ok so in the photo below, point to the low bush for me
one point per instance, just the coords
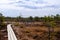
(3, 25)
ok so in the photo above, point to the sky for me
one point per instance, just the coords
(26, 8)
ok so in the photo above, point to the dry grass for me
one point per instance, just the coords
(34, 32)
(3, 33)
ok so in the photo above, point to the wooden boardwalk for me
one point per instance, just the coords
(11, 34)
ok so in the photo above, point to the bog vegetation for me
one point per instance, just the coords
(49, 22)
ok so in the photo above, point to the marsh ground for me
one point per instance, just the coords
(36, 32)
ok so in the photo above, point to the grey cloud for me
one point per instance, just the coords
(27, 0)
(36, 7)
(40, 2)
(30, 7)
(23, 4)
(20, 2)
(53, 6)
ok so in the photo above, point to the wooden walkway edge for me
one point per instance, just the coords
(11, 34)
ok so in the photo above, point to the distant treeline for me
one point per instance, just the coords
(31, 19)
(52, 20)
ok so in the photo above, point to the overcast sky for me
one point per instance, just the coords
(27, 8)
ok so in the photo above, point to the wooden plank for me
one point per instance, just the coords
(11, 34)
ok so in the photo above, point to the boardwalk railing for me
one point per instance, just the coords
(11, 34)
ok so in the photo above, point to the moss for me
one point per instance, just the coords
(3, 25)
